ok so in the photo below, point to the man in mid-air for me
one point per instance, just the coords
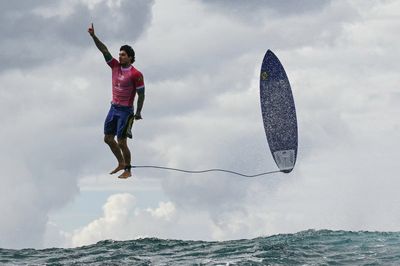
(126, 82)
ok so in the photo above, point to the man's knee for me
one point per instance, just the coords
(122, 143)
(108, 139)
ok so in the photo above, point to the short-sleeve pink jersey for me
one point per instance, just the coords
(125, 83)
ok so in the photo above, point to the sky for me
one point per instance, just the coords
(201, 61)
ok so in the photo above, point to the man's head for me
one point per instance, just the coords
(126, 55)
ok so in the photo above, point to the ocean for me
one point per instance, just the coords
(311, 247)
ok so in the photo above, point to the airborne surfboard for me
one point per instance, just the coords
(278, 112)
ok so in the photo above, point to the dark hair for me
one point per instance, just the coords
(129, 51)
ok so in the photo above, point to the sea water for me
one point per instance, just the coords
(311, 247)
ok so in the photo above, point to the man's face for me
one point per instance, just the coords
(124, 59)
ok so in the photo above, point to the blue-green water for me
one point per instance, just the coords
(310, 247)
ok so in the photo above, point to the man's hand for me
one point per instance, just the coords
(103, 49)
(138, 116)
(91, 30)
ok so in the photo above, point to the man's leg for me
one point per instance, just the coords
(109, 139)
(126, 153)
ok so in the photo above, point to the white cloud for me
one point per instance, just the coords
(342, 86)
(50, 111)
(122, 220)
(166, 211)
(201, 68)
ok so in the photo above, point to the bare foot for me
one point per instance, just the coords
(116, 170)
(125, 174)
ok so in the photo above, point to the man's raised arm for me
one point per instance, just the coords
(103, 49)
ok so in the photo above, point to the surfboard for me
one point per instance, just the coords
(278, 112)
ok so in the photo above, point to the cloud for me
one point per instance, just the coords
(201, 111)
(122, 220)
(341, 85)
(249, 10)
(49, 106)
(48, 31)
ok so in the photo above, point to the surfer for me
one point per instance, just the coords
(126, 82)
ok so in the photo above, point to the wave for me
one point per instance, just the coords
(311, 247)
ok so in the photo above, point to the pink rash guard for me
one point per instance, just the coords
(125, 83)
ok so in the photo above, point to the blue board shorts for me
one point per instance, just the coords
(119, 121)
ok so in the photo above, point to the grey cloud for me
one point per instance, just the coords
(49, 139)
(40, 39)
(55, 129)
(324, 101)
(221, 46)
(54, 134)
(254, 11)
